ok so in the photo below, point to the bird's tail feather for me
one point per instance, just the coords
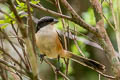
(86, 62)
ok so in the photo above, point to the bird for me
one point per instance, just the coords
(49, 44)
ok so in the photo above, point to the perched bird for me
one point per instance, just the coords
(47, 40)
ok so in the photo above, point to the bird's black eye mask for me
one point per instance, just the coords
(43, 22)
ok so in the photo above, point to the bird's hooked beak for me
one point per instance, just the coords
(55, 21)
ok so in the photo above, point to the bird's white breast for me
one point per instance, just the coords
(45, 39)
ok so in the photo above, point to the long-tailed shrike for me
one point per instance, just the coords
(47, 40)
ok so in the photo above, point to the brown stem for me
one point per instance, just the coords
(8, 65)
(54, 68)
(63, 24)
(28, 43)
(104, 40)
(76, 19)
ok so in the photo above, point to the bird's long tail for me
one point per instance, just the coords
(85, 62)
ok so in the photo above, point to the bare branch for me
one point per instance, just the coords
(77, 19)
(5, 35)
(8, 65)
(52, 66)
(6, 14)
(31, 28)
(65, 40)
(104, 40)
(29, 47)
(7, 54)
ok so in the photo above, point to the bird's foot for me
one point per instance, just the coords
(42, 57)
(58, 64)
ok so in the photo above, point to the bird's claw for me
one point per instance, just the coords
(41, 57)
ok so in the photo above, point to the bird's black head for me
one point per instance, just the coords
(45, 21)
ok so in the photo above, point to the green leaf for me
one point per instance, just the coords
(35, 2)
(4, 26)
(12, 15)
(2, 22)
(18, 2)
(21, 6)
(5, 21)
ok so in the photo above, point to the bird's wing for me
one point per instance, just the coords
(61, 38)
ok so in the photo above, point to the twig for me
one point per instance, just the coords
(105, 17)
(7, 54)
(113, 15)
(10, 70)
(87, 41)
(29, 47)
(8, 65)
(82, 34)
(65, 41)
(49, 11)
(99, 77)
(56, 77)
(77, 21)
(116, 20)
(21, 42)
(109, 23)
(3, 73)
(77, 44)
(19, 21)
(52, 66)
(6, 14)
(13, 45)
(31, 29)
(104, 40)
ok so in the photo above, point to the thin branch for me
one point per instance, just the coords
(82, 34)
(78, 20)
(19, 21)
(65, 41)
(99, 77)
(109, 23)
(116, 20)
(77, 44)
(113, 15)
(104, 40)
(87, 41)
(56, 77)
(7, 54)
(49, 11)
(29, 47)
(6, 14)
(105, 17)
(13, 46)
(13, 73)
(31, 30)
(75, 41)
(52, 66)
(3, 73)
(14, 68)
(21, 42)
